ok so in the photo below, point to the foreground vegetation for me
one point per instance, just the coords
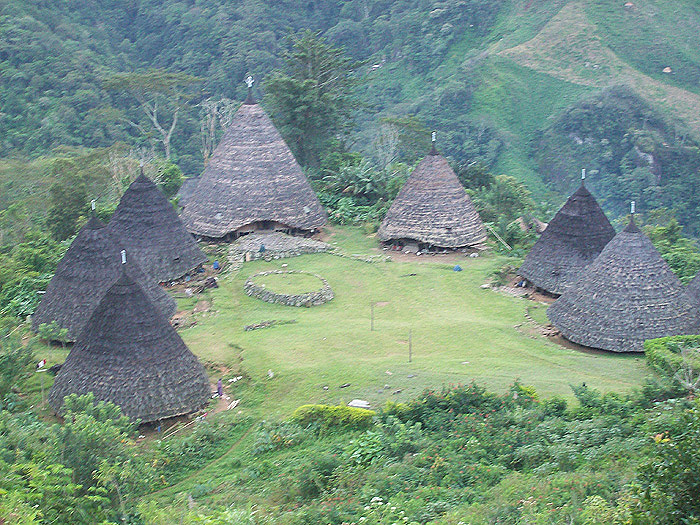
(584, 438)
(459, 454)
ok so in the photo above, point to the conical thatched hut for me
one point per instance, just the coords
(572, 240)
(130, 355)
(89, 267)
(433, 209)
(252, 182)
(153, 234)
(627, 295)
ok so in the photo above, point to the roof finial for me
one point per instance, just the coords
(249, 81)
(583, 174)
(632, 207)
(92, 206)
(123, 256)
(433, 136)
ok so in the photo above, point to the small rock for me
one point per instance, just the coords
(484, 286)
(325, 387)
(410, 376)
(396, 391)
(359, 403)
(386, 387)
(344, 385)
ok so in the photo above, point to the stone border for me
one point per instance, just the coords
(306, 300)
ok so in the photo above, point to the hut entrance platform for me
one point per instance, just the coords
(273, 245)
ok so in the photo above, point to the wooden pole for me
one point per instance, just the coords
(410, 345)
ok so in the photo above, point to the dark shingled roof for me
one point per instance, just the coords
(694, 289)
(251, 177)
(572, 240)
(186, 190)
(627, 295)
(130, 355)
(433, 207)
(89, 267)
(153, 234)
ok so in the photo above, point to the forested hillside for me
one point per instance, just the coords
(535, 90)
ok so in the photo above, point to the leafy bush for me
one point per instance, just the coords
(663, 354)
(14, 360)
(333, 416)
(669, 484)
(274, 436)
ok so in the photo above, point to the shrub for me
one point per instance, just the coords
(274, 436)
(333, 416)
(663, 355)
(554, 407)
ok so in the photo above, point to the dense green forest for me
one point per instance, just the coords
(507, 83)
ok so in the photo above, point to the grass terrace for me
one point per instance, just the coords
(456, 332)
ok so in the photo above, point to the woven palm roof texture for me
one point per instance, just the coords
(153, 234)
(86, 271)
(432, 207)
(129, 355)
(252, 176)
(694, 289)
(572, 240)
(627, 295)
(186, 190)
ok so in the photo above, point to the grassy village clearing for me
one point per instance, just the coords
(457, 332)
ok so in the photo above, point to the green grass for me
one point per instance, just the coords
(652, 35)
(458, 333)
(289, 283)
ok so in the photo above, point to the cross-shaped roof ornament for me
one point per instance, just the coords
(249, 81)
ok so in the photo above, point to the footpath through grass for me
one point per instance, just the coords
(458, 333)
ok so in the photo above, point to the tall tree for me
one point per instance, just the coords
(69, 199)
(160, 94)
(313, 97)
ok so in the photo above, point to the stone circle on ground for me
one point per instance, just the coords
(276, 246)
(307, 299)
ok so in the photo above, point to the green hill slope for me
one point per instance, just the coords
(492, 76)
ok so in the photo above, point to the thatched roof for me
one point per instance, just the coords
(153, 234)
(627, 295)
(130, 355)
(251, 177)
(186, 190)
(572, 240)
(433, 208)
(694, 289)
(87, 270)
